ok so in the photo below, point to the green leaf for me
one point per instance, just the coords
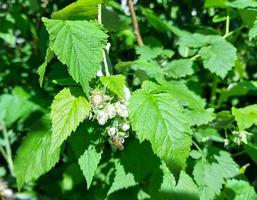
(184, 96)
(242, 190)
(241, 4)
(160, 119)
(186, 188)
(253, 31)
(215, 3)
(210, 174)
(245, 117)
(208, 178)
(115, 83)
(122, 180)
(42, 68)
(219, 57)
(68, 109)
(147, 53)
(79, 10)
(88, 163)
(206, 134)
(251, 150)
(14, 107)
(34, 157)
(79, 45)
(179, 68)
(200, 116)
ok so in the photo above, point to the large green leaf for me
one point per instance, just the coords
(219, 57)
(115, 83)
(160, 119)
(34, 157)
(79, 45)
(245, 117)
(89, 161)
(69, 108)
(79, 10)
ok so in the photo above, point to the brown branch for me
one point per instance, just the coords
(135, 23)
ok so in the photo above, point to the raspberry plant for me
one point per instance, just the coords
(149, 100)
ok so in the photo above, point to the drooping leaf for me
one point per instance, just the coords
(122, 180)
(42, 68)
(34, 157)
(159, 119)
(68, 110)
(115, 83)
(79, 10)
(79, 45)
(219, 57)
(245, 117)
(89, 161)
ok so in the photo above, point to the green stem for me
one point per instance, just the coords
(198, 148)
(213, 91)
(8, 149)
(227, 23)
(106, 67)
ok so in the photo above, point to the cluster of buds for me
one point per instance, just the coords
(240, 137)
(5, 192)
(104, 110)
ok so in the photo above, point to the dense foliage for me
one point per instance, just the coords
(99, 103)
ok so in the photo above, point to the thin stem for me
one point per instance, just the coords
(239, 153)
(8, 150)
(198, 148)
(106, 67)
(227, 23)
(135, 23)
(195, 57)
(213, 91)
(3, 153)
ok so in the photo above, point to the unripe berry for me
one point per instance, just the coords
(125, 126)
(102, 117)
(122, 110)
(112, 131)
(97, 99)
(111, 111)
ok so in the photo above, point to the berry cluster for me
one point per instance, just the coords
(104, 110)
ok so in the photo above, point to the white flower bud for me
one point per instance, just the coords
(111, 111)
(102, 117)
(122, 110)
(7, 193)
(125, 127)
(97, 99)
(112, 131)
(226, 142)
